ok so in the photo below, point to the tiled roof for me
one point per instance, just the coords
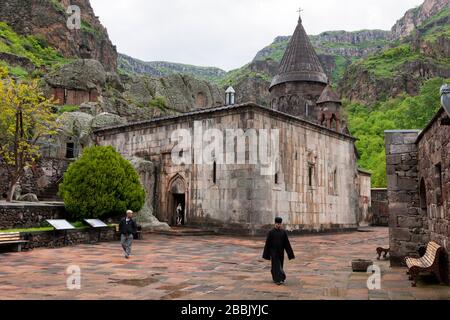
(328, 95)
(217, 110)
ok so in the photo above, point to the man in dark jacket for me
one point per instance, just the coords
(127, 228)
(277, 242)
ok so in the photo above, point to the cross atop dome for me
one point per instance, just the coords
(300, 61)
(300, 10)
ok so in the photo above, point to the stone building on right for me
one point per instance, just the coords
(418, 169)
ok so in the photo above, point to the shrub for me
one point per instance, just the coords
(101, 184)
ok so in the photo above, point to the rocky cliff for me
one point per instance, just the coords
(417, 16)
(145, 97)
(47, 19)
(85, 84)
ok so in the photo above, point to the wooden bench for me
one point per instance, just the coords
(12, 240)
(429, 262)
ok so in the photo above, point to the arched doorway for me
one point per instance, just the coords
(177, 197)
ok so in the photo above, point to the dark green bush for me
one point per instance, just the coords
(101, 184)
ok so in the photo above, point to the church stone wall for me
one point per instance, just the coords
(241, 199)
(434, 172)
(365, 198)
(406, 223)
(418, 168)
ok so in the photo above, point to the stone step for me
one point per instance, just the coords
(184, 232)
(49, 197)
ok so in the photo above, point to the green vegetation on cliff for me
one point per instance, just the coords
(436, 26)
(404, 112)
(235, 76)
(32, 48)
(387, 62)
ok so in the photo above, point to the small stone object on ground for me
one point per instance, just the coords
(361, 265)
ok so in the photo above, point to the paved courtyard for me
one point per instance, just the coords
(209, 267)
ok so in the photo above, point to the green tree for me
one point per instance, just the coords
(368, 123)
(25, 117)
(101, 184)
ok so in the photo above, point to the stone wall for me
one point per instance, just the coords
(434, 181)
(406, 223)
(380, 208)
(240, 197)
(27, 215)
(51, 239)
(365, 202)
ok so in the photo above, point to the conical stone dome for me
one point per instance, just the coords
(300, 61)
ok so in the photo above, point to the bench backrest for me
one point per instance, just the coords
(13, 236)
(432, 253)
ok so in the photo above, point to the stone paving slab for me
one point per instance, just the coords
(210, 268)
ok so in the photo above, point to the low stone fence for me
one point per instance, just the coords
(24, 215)
(380, 208)
(53, 239)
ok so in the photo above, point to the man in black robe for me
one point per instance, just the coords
(277, 242)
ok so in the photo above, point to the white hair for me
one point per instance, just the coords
(129, 211)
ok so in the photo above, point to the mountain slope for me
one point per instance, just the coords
(161, 68)
(398, 88)
(424, 54)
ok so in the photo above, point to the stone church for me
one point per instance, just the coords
(316, 182)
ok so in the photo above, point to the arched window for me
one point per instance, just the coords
(438, 184)
(310, 176)
(214, 172)
(335, 181)
(333, 124)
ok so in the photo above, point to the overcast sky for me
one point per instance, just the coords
(228, 33)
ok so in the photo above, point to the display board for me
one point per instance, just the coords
(95, 223)
(61, 224)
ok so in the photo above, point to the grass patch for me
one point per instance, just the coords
(68, 108)
(79, 225)
(15, 71)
